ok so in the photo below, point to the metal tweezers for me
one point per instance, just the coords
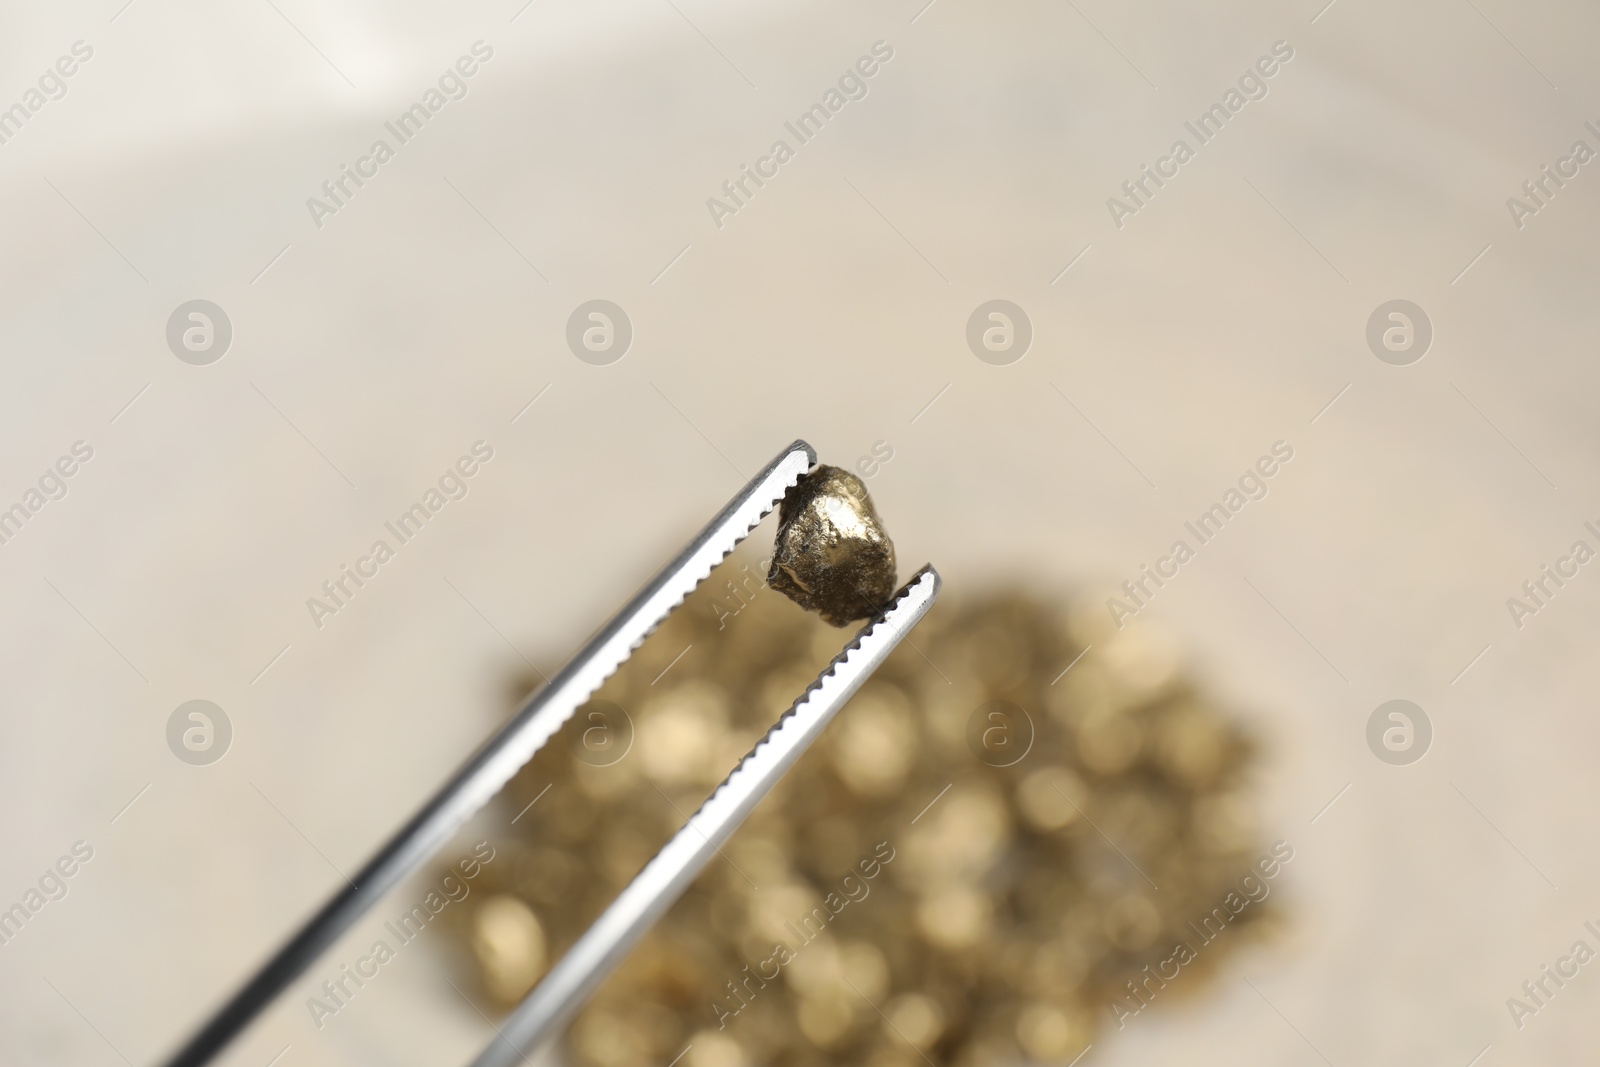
(565, 988)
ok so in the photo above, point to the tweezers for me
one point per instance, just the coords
(568, 984)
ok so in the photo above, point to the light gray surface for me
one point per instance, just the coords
(1221, 318)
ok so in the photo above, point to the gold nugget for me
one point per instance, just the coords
(833, 556)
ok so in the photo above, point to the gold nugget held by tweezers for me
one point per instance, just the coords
(832, 556)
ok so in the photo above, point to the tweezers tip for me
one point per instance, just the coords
(927, 572)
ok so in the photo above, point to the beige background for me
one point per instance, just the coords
(1225, 316)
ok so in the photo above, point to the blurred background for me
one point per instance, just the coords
(223, 378)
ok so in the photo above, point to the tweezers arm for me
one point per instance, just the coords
(488, 770)
(578, 973)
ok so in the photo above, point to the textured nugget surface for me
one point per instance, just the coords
(832, 555)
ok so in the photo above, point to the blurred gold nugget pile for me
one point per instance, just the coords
(904, 896)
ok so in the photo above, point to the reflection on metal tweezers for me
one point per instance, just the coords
(488, 770)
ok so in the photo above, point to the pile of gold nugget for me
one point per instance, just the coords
(987, 859)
